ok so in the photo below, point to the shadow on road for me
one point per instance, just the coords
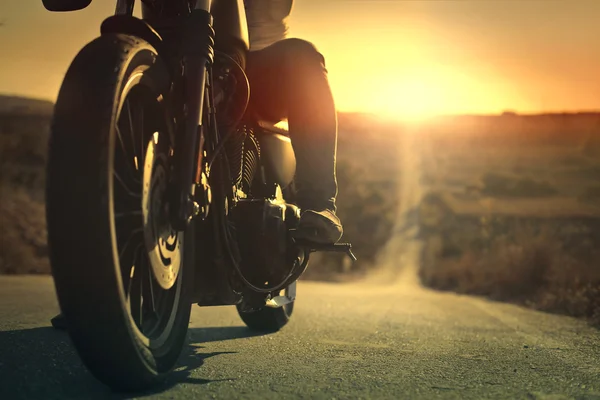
(40, 363)
(217, 334)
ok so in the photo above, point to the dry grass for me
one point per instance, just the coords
(529, 268)
(23, 248)
(23, 141)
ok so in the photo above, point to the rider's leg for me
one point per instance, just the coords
(289, 79)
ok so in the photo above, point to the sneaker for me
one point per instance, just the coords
(322, 227)
(59, 322)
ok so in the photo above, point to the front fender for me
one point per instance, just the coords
(133, 26)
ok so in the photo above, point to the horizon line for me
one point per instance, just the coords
(507, 112)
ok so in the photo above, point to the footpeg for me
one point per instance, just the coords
(333, 247)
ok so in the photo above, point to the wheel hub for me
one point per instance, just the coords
(164, 244)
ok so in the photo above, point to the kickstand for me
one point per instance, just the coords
(333, 247)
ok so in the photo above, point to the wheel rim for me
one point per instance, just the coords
(149, 253)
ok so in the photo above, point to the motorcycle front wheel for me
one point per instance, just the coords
(122, 273)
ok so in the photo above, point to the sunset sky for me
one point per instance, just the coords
(390, 57)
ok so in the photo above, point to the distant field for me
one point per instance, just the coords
(512, 210)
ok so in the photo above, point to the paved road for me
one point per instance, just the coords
(345, 341)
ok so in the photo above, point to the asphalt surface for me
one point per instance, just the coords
(366, 340)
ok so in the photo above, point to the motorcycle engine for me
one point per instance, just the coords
(259, 225)
(243, 155)
(262, 231)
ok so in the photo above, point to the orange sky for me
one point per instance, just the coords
(393, 57)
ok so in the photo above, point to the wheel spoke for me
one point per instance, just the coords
(150, 288)
(130, 242)
(121, 142)
(129, 249)
(129, 214)
(148, 312)
(132, 131)
(131, 162)
(128, 217)
(135, 290)
(131, 192)
(139, 124)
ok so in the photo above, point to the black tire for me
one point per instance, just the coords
(85, 232)
(268, 319)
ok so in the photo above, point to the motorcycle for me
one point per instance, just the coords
(165, 190)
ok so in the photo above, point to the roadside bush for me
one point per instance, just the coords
(502, 185)
(529, 266)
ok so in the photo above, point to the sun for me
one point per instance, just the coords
(413, 93)
(402, 95)
(411, 99)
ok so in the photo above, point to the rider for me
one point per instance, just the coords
(288, 79)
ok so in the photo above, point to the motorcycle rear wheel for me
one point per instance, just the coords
(269, 319)
(122, 274)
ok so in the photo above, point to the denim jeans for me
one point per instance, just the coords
(289, 80)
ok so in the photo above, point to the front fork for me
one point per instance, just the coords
(197, 47)
(198, 55)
